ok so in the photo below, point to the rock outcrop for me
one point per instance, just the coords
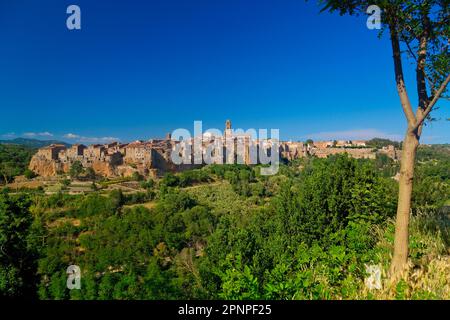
(44, 167)
(154, 157)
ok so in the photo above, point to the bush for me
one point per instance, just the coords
(29, 174)
(98, 205)
(149, 184)
(14, 160)
(305, 233)
(76, 169)
(137, 177)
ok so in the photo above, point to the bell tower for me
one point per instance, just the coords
(228, 144)
(227, 129)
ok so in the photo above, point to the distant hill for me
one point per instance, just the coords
(33, 143)
(380, 143)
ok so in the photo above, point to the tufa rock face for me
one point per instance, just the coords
(44, 167)
(104, 169)
(153, 157)
(110, 160)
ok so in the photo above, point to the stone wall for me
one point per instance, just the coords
(153, 157)
(358, 153)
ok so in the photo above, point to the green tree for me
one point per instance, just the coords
(137, 177)
(422, 28)
(8, 171)
(29, 174)
(379, 143)
(76, 169)
(18, 243)
(149, 184)
(14, 160)
(65, 182)
(90, 174)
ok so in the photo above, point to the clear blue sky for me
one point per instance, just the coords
(139, 69)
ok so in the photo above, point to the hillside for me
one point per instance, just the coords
(227, 232)
(33, 143)
(14, 160)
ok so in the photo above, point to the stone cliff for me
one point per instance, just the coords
(153, 157)
(44, 167)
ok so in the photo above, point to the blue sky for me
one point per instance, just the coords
(139, 69)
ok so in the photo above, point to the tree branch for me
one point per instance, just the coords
(411, 52)
(399, 78)
(420, 72)
(413, 55)
(432, 103)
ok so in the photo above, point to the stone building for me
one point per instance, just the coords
(51, 152)
(154, 157)
(359, 153)
(77, 150)
(322, 144)
(359, 143)
(293, 150)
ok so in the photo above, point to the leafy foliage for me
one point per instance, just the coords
(19, 242)
(379, 143)
(305, 233)
(14, 160)
(76, 169)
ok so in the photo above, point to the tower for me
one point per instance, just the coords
(227, 130)
(228, 144)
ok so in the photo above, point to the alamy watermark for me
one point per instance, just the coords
(234, 146)
(73, 21)
(373, 281)
(74, 277)
(374, 20)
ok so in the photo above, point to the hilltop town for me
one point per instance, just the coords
(153, 157)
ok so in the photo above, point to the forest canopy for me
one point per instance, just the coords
(226, 232)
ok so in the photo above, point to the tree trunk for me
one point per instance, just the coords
(400, 257)
(5, 177)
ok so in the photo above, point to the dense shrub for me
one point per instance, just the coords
(228, 232)
(19, 243)
(14, 160)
